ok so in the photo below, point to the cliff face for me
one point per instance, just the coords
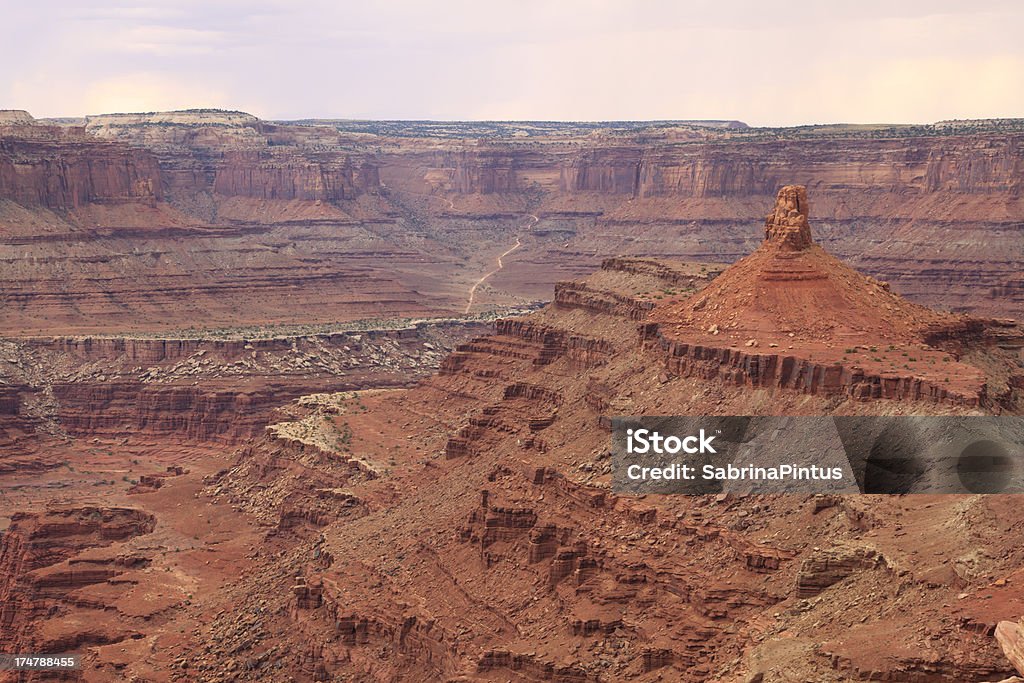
(254, 159)
(262, 175)
(38, 572)
(985, 165)
(192, 390)
(122, 218)
(68, 169)
(920, 166)
(74, 173)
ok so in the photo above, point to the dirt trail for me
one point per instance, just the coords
(472, 290)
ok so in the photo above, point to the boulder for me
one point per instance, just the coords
(1010, 636)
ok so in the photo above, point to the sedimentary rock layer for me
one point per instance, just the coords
(159, 220)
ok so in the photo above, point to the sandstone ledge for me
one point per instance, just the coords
(772, 370)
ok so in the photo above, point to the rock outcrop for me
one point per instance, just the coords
(1010, 635)
(74, 171)
(856, 337)
(15, 117)
(825, 568)
(787, 224)
(38, 569)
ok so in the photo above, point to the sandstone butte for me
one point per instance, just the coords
(853, 333)
(166, 520)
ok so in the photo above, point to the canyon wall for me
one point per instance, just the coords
(987, 164)
(66, 170)
(937, 215)
(193, 390)
(265, 175)
(149, 221)
(72, 171)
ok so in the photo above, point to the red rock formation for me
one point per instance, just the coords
(373, 556)
(732, 366)
(1011, 638)
(787, 224)
(542, 543)
(519, 561)
(529, 666)
(790, 292)
(264, 175)
(577, 295)
(225, 183)
(186, 412)
(35, 571)
(71, 172)
(826, 568)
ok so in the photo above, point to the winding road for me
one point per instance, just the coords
(472, 290)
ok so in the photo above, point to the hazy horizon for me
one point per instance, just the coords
(874, 62)
(300, 119)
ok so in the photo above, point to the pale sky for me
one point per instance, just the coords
(766, 63)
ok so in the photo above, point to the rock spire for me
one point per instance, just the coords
(787, 223)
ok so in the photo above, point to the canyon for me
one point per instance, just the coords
(331, 400)
(142, 222)
(490, 546)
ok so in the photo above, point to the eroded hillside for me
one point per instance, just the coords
(465, 528)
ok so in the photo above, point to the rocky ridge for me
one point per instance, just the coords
(493, 546)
